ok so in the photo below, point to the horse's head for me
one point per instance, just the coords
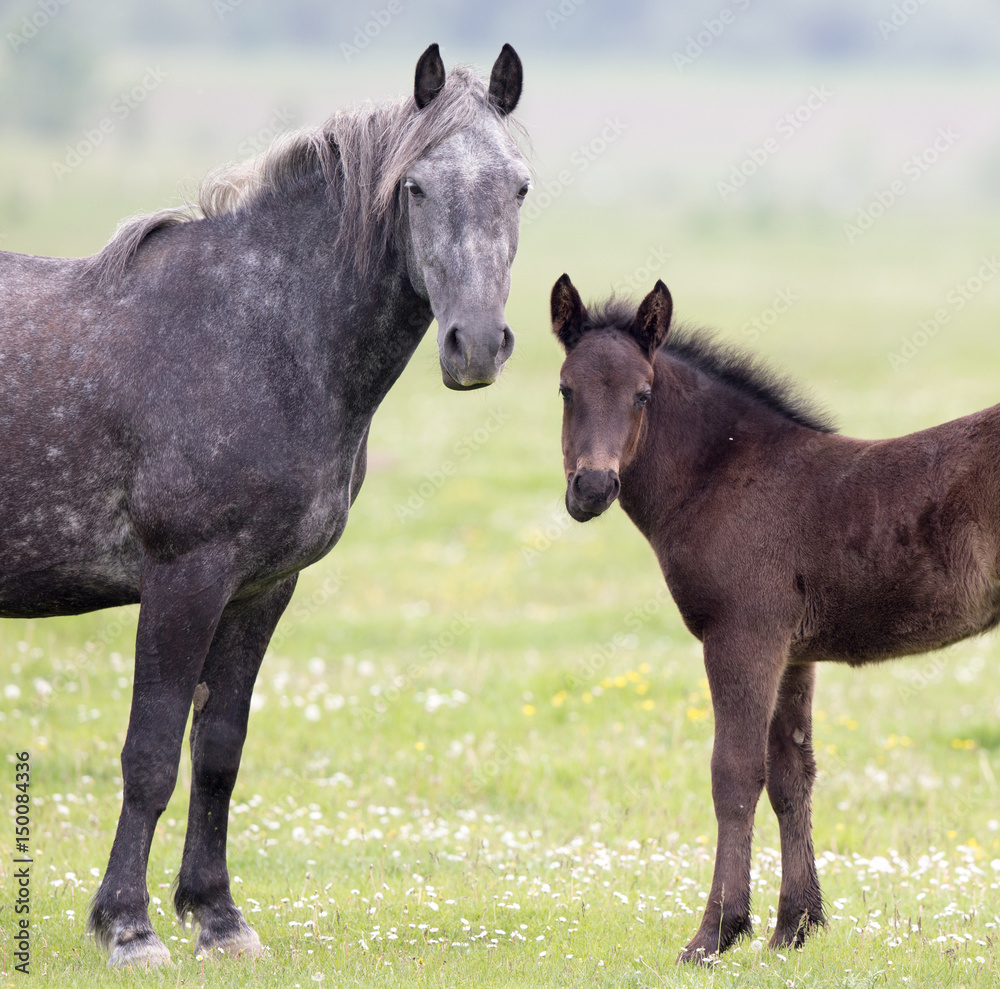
(606, 383)
(460, 203)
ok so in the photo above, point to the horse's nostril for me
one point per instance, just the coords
(616, 486)
(453, 342)
(506, 345)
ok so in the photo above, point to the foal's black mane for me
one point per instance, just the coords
(700, 349)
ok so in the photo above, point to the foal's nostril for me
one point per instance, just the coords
(616, 486)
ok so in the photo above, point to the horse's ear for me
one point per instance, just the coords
(429, 79)
(652, 321)
(567, 313)
(505, 80)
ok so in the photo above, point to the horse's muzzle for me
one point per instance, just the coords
(474, 360)
(590, 493)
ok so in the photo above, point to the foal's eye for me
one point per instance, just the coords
(641, 399)
(414, 190)
(567, 393)
(522, 192)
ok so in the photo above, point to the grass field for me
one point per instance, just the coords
(480, 742)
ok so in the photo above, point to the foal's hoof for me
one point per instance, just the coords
(693, 955)
(244, 943)
(138, 948)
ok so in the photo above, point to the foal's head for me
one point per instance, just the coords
(606, 383)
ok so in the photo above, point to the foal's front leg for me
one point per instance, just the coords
(218, 729)
(791, 770)
(743, 673)
(181, 604)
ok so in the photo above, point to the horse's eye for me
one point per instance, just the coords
(523, 191)
(641, 399)
(414, 189)
(567, 393)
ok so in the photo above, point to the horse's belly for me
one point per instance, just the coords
(66, 556)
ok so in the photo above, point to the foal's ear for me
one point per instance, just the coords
(652, 321)
(567, 313)
(429, 79)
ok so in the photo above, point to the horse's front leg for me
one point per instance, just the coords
(744, 671)
(218, 729)
(791, 770)
(181, 604)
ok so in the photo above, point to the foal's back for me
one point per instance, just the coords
(899, 540)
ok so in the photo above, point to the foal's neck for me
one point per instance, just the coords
(697, 429)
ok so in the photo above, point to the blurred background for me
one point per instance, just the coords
(657, 130)
(820, 181)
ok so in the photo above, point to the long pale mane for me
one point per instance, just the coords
(361, 153)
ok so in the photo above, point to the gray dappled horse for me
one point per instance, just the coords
(183, 422)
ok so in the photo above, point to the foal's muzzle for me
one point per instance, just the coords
(590, 493)
(474, 359)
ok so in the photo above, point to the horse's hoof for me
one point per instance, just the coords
(138, 949)
(243, 944)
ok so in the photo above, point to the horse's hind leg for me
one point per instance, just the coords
(222, 708)
(177, 618)
(791, 770)
(743, 673)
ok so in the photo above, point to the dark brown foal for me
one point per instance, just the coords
(782, 543)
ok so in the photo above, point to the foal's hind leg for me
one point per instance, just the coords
(743, 672)
(791, 770)
(222, 708)
(177, 618)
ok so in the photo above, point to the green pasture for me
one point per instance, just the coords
(480, 745)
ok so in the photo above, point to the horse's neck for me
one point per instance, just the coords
(687, 442)
(361, 331)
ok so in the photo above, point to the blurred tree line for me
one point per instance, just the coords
(52, 50)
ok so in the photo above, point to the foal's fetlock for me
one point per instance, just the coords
(706, 946)
(793, 931)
